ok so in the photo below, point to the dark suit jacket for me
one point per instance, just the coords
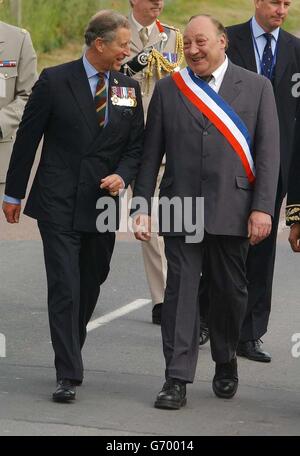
(200, 161)
(241, 52)
(76, 154)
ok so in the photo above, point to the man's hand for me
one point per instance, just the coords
(294, 237)
(259, 227)
(11, 212)
(142, 227)
(113, 184)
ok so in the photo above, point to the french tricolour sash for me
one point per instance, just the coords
(221, 115)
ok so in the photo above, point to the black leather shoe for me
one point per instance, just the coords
(156, 314)
(204, 333)
(65, 391)
(252, 350)
(225, 381)
(172, 396)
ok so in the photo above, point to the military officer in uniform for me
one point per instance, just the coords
(156, 51)
(18, 74)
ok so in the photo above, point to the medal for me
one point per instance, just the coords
(123, 96)
(8, 63)
(163, 36)
(170, 56)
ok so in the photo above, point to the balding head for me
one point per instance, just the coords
(205, 43)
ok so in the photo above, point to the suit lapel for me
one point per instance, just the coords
(193, 110)
(230, 87)
(113, 81)
(245, 48)
(81, 90)
(283, 56)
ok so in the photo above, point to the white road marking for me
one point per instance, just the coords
(137, 304)
(2, 346)
(134, 305)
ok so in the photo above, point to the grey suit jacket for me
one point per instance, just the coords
(200, 161)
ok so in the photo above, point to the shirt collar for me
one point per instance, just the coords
(218, 74)
(259, 31)
(91, 70)
(140, 26)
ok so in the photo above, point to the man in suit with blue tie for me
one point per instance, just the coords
(91, 117)
(260, 45)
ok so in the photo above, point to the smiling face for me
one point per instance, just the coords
(112, 53)
(271, 14)
(204, 46)
(147, 11)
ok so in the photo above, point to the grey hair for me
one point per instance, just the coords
(105, 24)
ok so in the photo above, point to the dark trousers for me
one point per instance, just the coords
(260, 272)
(76, 265)
(226, 256)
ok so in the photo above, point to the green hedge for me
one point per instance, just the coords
(52, 23)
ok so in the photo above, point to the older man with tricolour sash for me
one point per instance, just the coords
(218, 125)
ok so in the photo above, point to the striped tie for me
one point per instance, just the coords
(101, 99)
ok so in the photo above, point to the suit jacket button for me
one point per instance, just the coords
(205, 133)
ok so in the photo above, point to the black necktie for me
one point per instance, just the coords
(267, 57)
(207, 79)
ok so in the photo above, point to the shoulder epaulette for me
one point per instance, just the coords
(171, 27)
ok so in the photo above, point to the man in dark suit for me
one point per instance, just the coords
(252, 44)
(91, 117)
(203, 127)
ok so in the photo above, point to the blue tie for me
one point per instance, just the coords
(267, 57)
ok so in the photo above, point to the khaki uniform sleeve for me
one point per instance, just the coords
(11, 113)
